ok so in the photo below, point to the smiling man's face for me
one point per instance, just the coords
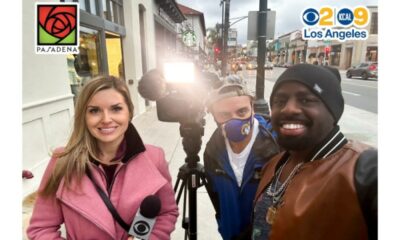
(299, 117)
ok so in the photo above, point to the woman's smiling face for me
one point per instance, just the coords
(107, 117)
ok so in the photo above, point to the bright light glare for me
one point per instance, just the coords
(179, 72)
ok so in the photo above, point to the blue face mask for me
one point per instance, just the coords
(236, 130)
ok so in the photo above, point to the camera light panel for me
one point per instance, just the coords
(179, 72)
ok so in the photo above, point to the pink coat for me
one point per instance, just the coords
(86, 216)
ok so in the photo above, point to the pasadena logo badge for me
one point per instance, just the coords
(57, 28)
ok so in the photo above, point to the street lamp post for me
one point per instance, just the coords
(222, 4)
(260, 104)
(225, 39)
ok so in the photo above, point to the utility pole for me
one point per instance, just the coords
(222, 4)
(225, 39)
(260, 104)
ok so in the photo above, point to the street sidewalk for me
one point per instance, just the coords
(166, 135)
(355, 124)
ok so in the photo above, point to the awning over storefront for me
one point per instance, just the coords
(167, 25)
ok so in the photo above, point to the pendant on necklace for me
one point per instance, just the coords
(271, 215)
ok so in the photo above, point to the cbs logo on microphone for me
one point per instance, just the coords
(141, 228)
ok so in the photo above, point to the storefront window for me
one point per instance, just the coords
(372, 54)
(106, 11)
(335, 54)
(94, 7)
(114, 55)
(113, 11)
(82, 5)
(374, 23)
(85, 65)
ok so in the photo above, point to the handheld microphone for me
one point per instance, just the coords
(145, 218)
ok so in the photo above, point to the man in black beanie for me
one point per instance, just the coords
(323, 186)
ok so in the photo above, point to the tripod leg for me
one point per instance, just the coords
(211, 194)
(189, 186)
(192, 185)
(185, 220)
(181, 183)
(178, 180)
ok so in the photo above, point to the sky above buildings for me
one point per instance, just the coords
(287, 12)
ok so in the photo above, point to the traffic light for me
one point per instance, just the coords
(217, 50)
(327, 50)
(217, 53)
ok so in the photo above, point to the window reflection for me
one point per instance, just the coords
(85, 65)
(93, 7)
(82, 5)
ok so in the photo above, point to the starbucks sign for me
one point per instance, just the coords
(189, 38)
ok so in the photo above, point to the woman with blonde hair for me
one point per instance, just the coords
(104, 155)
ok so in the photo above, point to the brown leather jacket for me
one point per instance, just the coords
(321, 202)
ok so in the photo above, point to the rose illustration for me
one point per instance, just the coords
(57, 20)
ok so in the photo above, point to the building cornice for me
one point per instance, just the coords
(172, 9)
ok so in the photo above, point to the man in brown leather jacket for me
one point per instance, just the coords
(323, 186)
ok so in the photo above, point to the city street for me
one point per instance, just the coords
(359, 93)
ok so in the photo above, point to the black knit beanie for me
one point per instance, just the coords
(323, 81)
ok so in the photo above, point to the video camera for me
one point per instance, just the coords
(179, 89)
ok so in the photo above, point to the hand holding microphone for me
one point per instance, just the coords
(145, 218)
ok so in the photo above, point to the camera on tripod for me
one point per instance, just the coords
(180, 91)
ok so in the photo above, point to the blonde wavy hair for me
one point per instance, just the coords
(73, 161)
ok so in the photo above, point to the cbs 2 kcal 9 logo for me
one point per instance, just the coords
(336, 17)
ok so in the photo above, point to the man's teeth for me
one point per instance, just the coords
(292, 126)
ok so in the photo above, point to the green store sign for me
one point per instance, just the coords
(189, 38)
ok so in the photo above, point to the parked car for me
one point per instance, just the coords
(364, 70)
(235, 66)
(251, 65)
(268, 65)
